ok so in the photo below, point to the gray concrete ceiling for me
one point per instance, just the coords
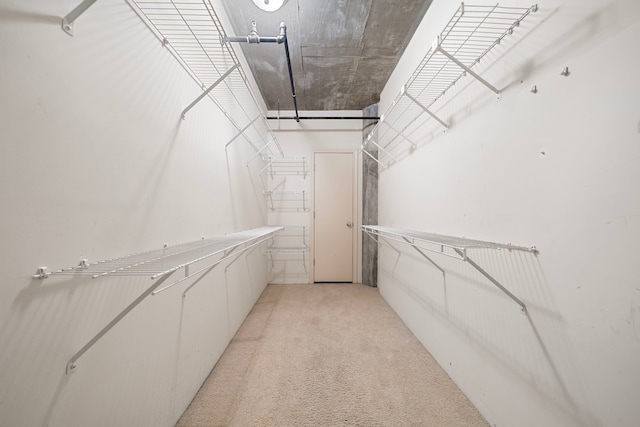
(342, 51)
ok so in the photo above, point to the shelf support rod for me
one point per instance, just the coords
(424, 255)
(370, 155)
(381, 237)
(269, 163)
(492, 280)
(368, 233)
(400, 134)
(71, 365)
(231, 254)
(206, 92)
(259, 151)
(67, 21)
(241, 131)
(426, 110)
(465, 68)
(369, 140)
(188, 275)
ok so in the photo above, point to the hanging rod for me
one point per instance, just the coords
(439, 243)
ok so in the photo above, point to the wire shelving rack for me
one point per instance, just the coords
(160, 265)
(454, 247)
(468, 37)
(193, 33)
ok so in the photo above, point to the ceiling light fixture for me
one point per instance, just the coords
(269, 5)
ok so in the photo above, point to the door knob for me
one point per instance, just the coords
(349, 224)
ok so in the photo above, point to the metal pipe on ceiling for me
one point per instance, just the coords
(298, 118)
(293, 88)
(254, 38)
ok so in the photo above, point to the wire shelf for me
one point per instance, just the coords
(286, 166)
(287, 200)
(292, 240)
(160, 262)
(438, 242)
(455, 247)
(288, 253)
(468, 37)
(160, 265)
(192, 32)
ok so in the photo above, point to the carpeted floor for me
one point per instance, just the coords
(327, 355)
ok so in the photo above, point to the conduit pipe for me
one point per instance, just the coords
(323, 118)
(254, 38)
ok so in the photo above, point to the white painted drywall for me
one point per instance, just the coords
(560, 170)
(302, 140)
(95, 163)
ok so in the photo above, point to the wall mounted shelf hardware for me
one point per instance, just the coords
(192, 32)
(283, 254)
(213, 86)
(291, 241)
(470, 34)
(69, 19)
(286, 166)
(287, 200)
(455, 247)
(160, 265)
(289, 249)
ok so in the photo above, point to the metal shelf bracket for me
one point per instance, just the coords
(41, 273)
(437, 47)
(159, 265)
(206, 92)
(69, 19)
(494, 281)
(72, 365)
(240, 132)
(424, 255)
(458, 245)
(426, 110)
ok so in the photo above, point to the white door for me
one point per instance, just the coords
(334, 232)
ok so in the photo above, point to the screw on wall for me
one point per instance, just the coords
(534, 90)
(565, 72)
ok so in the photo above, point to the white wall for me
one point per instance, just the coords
(96, 163)
(302, 140)
(559, 170)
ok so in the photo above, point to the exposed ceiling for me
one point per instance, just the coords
(342, 51)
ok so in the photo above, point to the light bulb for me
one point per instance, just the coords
(269, 5)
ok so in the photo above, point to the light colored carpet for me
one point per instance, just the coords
(327, 354)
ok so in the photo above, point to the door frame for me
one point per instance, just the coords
(354, 212)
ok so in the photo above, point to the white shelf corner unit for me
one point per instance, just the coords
(194, 258)
(455, 247)
(468, 37)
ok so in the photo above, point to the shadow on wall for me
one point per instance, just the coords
(532, 345)
(46, 317)
(29, 17)
(468, 96)
(160, 343)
